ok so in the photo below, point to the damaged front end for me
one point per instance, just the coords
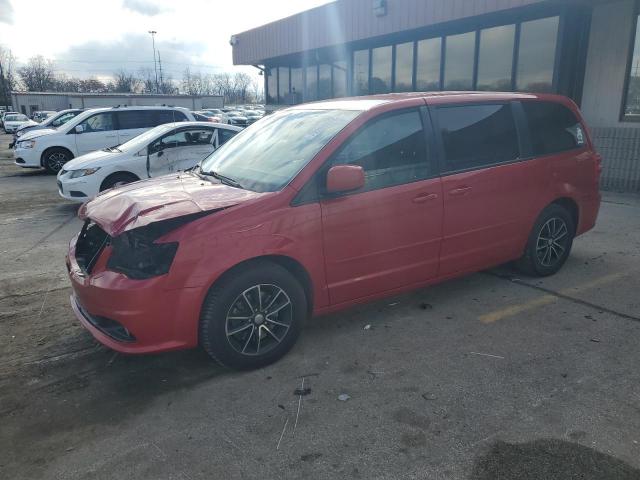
(136, 253)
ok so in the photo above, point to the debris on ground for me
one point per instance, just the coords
(367, 326)
(487, 355)
(595, 340)
(343, 397)
(426, 306)
(429, 396)
(302, 391)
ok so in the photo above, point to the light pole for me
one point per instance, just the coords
(153, 42)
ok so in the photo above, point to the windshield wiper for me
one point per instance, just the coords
(224, 179)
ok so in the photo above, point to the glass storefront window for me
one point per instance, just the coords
(272, 86)
(361, 72)
(632, 98)
(324, 82)
(458, 65)
(311, 92)
(428, 65)
(339, 79)
(537, 54)
(404, 67)
(381, 69)
(495, 58)
(297, 85)
(283, 85)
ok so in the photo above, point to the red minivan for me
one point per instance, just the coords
(325, 205)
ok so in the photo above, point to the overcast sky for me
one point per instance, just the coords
(98, 37)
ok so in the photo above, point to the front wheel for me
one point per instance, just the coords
(55, 158)
(549, 243)
(253, 316)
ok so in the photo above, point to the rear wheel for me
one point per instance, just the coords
(117, 179)
(253, 317)
(55, 158)
(549, 243)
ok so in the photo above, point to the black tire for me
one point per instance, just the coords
(54, 159)
(549, 243)
(223, 312)
(117, 179)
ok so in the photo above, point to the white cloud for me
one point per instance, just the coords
(6, 12)
(99, 37)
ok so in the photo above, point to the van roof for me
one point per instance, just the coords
(369, 102)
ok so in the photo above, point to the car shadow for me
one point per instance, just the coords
(549, 459)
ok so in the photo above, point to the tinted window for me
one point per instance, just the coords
(458, 65)
(272, 86)
(477, 135)
(225, 135)
(61, 120)
(361, 72)
(496, 58)
(632, 97)
(136, 119)
(428, 64)
(324, 83)
(101, 122)
(553, 127)
(283, 84)
(340, 79)
(297, 86)
(404, 67)
(160, 117)
(537, 55)
(391, 150)
(381, 70)
(312, 83)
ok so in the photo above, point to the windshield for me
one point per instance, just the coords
(142, 140)
(16, 118)
(266, 156)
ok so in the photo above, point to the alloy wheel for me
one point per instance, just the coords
(552, 242)
(259, 319)
(56, 160)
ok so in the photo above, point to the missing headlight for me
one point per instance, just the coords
(136, 254)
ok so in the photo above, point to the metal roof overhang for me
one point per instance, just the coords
(347, 21)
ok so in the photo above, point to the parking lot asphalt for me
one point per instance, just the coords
(492, 376)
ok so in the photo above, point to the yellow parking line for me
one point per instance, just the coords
(547, 299)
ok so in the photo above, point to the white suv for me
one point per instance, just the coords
(91, 130)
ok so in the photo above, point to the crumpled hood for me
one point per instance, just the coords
(98, 158)
(38, 133)
(161, 198)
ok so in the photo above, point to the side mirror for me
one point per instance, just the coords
(79, 129)
(345, 178)
(160, 153)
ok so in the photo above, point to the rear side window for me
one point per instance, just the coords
(553, 127)
(168, 116)
(392, 150)
(476, 136)
(224, 135)
(135, 119)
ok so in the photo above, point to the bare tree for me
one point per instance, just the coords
(124, 82)
(148, 80)
(241, 84)
(38, 75)
(8, 78)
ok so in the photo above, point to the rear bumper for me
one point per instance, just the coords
(589, 210)
(147, 317)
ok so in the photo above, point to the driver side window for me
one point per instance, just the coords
(391, 150)
(182, 138)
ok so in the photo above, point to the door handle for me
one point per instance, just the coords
(110, 136)
(425, 197)
(460, 191)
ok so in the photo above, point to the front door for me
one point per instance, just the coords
(164, 154)
(386, 235)
(98, 132)
(488, 191)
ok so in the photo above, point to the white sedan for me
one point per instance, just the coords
(14, 121)
(164, 149)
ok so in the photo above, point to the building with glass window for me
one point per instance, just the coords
(585, 49)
